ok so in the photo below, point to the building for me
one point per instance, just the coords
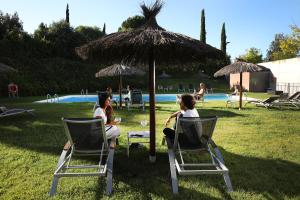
(287, 73)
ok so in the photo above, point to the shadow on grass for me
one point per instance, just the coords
(272, 178)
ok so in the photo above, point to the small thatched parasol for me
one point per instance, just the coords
(6, 68)
(240, 66)
(119, 70)
(148, 44)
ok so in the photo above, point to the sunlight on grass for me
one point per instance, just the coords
(260, 147)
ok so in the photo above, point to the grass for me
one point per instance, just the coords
(260, 147)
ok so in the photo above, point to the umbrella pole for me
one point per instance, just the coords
(152, 156)
(241, 90)
(120, 91)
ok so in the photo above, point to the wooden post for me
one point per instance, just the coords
(241, 90)
(120, 90)
(152, 156)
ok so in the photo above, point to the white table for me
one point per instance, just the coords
(143, 135)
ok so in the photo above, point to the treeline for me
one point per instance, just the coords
(47, 63)
(46, 60)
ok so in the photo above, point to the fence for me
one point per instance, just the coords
(289, 88)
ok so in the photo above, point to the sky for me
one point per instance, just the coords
(249, 23)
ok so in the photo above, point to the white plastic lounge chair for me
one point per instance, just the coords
(274, 102)
(194, 135)
(135, 100)
(86, 137)
(233, 100)
(4, 112)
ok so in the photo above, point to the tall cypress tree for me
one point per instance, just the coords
(203, 32)
(104, 29)
(223, 39)
(67, 14)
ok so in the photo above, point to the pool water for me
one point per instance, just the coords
(158, 98)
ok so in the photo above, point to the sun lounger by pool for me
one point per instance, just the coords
(5, 112)
(194, 135)
(275, 102)
(86, 137)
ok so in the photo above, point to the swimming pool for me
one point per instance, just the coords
(158, 98)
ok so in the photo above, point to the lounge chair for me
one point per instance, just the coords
(191, 88)
(234, 99)
(275, 102)
(135, 100)
(86, 137)
(165, 88)
(267, 103)
(5, 112)
(181, 88)
(194, 135)
(209, 89)
(160, 87)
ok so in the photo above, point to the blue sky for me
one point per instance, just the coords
(249, 23)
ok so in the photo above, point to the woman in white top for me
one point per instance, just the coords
(102, 112)
(187, 109)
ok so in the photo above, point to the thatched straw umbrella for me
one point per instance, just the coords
(119, 70)
(6, 68)
(240, 66)
(148, 44)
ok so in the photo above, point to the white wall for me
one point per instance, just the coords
(286, 71)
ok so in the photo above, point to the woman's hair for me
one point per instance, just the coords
(102, 98)
(188, 100)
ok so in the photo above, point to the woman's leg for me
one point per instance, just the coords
(112, 131)
(170, 133)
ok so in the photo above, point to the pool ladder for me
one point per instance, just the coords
(55, 98)
(84, 93)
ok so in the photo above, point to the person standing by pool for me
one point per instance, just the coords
(104, 111)
(187, 109)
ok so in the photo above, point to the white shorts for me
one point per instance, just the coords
(112, 131)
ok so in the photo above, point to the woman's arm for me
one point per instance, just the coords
(171, 116)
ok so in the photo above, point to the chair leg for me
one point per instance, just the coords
(219, 155)
(227, 182)
(110, 161)
(54, 186)
(173, 171)
(55, 179)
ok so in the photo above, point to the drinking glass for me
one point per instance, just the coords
(144, 123)
(118, 119)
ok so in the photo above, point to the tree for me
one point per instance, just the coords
(41, 33)
(67, 14)
(290, 46)
(63, 38)
(223, 39)
(284, 47)
(274, 48)
(89, 33)
(10, 26)
(252, 55)
(104, 29)
(203, 32)
(132, 23)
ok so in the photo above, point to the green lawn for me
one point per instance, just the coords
(260, 147)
